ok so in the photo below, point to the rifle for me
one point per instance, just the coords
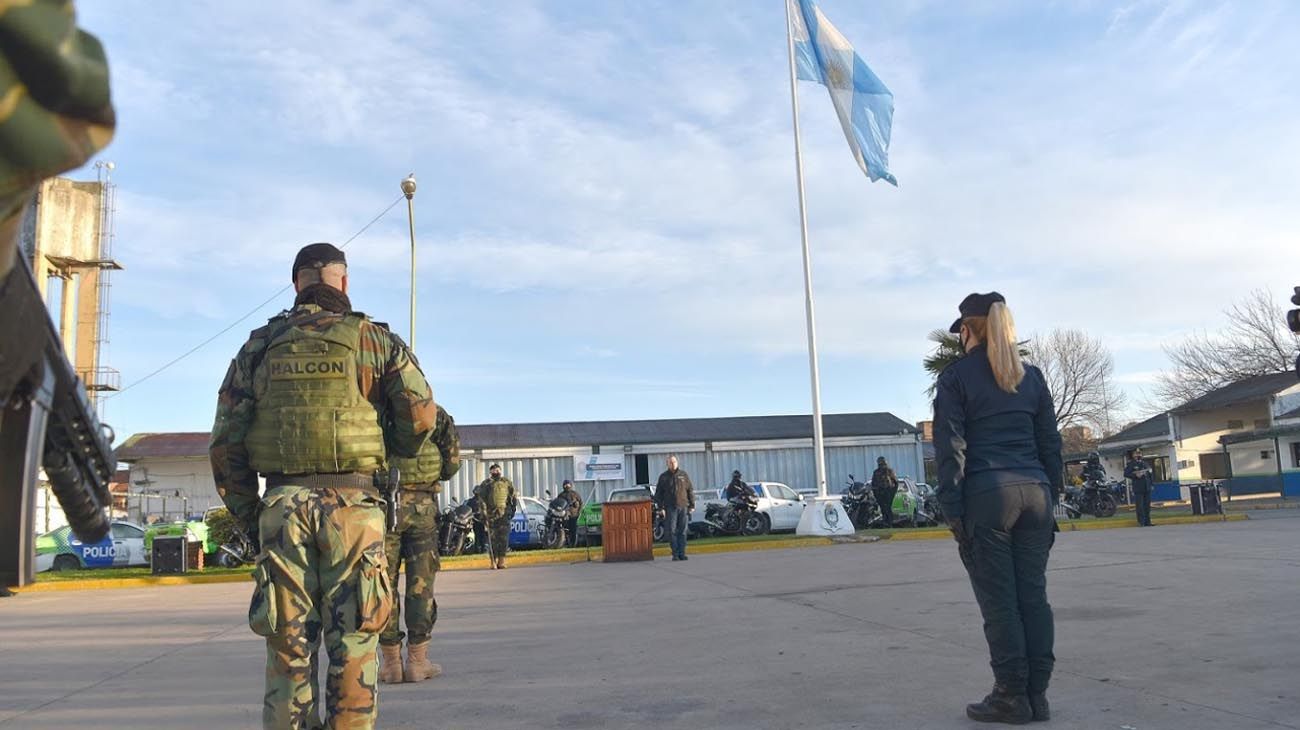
(392, 497)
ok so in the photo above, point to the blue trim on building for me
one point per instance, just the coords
(1291, 484)
(1165, 492)
(1252, 484)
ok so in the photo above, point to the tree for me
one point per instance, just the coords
(1079, 371)
(1080, 375)
(1255, 342)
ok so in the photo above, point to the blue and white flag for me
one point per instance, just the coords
(864, 105)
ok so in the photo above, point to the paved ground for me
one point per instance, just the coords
(1183, 627)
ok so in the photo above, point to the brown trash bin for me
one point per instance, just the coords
(627, 530)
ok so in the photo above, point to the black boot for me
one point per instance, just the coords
(1001, 705)
(1038, 703)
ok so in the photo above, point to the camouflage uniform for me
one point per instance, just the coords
(415, 541)
(497, 522)
(322, 567)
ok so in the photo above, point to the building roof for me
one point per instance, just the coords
(164, 445)
(676, 430)
(1293, 413)
(587, 433)
(1260, 387)
(1155, 428)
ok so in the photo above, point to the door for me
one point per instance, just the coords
(128, 545)
(783, 507)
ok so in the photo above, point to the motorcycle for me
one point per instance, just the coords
(861, 505)
(1093, 498)
(456, 528)
(556, 532)
(928, 512)
(236, 551)
(738, 516)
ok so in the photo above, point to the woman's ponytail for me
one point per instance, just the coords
(1003, 348)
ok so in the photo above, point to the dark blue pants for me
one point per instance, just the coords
(1142, 505)
(1009, 535)
(676, 520)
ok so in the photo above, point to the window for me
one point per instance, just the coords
(1266, 454)
(1159, 468)
(125, 532)
(1295, 454)
(758, 489)
(1214, 465)
(1186, 463)
(1236, 424)
(784, 492)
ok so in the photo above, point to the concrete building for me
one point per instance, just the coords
(1243, 434)
(538, 457)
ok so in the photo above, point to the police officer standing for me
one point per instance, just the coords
(1138, 472)
(575, 509)
(884, 485)
(415, 543)
(998, 453)
(497, 503)
(309, 403)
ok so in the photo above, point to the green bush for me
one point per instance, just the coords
(221, 526)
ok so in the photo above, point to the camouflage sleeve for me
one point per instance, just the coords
(448, 442)
(403, 396)
(236, 481)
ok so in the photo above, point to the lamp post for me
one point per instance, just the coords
(408, 189)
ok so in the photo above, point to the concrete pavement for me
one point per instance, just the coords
(1184, 627)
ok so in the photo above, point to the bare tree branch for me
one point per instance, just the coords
(1255, 342)
(1079, 371)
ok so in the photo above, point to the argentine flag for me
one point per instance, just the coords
(864, 105)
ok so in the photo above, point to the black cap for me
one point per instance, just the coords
(975, 305)
(317, 256)
(494, 466)
(735, 473)
(880, 459)
(567, 483)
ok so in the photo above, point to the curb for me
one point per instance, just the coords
(551, 557)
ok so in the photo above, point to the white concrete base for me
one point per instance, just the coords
(825, 516)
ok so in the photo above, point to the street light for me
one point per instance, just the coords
(408, 189)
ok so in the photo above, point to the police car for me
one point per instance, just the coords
(528, 524)
(61, 550)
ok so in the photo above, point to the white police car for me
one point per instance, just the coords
(528, 524)
(61, 550)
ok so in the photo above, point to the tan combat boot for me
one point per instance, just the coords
(390, 664)
(418, 666)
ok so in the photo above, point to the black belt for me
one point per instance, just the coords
(348, 480)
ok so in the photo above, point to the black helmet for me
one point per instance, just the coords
(880, 459)
(735, 474)
(568, 483)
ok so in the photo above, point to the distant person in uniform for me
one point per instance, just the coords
(575, 508)
(497, 502)
(884, 485)
(1093, 471)
(315, 402)
(998, 453)
(1138, 472)
(675, 495)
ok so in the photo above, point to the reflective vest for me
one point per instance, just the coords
(310, 416)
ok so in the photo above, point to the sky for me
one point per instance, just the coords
(606, 220)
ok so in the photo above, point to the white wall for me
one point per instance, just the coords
(1198, 433)
(178, 487)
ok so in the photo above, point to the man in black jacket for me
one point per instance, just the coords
(884, 485)
(675, 495)
(1138, 472)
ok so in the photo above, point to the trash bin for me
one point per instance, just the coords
(1205, 499)
(169, 555)
(628, 529)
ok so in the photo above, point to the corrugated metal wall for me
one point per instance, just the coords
(532, 476)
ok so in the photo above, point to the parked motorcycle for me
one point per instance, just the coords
(236, 551)
(861, 505)
(737, 516)
(456, 528)
(556, 532)
(927, 511)
(1093, 498)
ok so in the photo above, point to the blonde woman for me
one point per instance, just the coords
(999, 458)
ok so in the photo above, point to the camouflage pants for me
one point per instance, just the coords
(498, 529)
(415, 543)
(321, 571)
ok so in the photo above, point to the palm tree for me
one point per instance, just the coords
(947, 351)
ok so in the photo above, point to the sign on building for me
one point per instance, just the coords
(598, 467)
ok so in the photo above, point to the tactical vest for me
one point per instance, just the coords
(423, 472)
(496, 498)
(311, 417)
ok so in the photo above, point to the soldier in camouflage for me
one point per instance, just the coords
(315, 401)
(415, 543)
(497, 502)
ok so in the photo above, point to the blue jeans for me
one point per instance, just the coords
(676, 520)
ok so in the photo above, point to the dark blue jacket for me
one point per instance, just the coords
(985, 437)
(1140, 483)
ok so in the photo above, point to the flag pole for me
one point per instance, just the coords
(819, 451)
